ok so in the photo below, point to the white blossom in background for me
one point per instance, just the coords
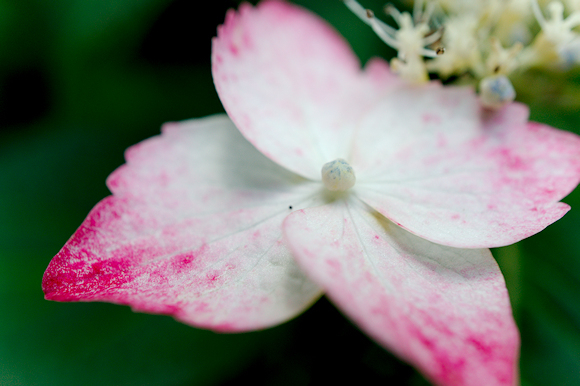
(482, 42)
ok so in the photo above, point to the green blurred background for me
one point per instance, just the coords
(80, 81)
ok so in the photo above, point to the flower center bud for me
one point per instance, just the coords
(338, 175)
(496, 91)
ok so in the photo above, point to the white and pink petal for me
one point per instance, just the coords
(430, 159)
(292, 85)
(444, 310)
(193, 230)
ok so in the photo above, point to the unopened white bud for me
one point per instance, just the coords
(496, 91)
(338, 175)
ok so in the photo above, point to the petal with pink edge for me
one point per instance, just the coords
(194, 230)
(291, 84)
(432, 161)
(444, 310)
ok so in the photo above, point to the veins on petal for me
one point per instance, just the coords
(421, 178)
(238, 277)
(251, 226)
(397, 246)
(429, 189)
(405, 198)
(366, 253)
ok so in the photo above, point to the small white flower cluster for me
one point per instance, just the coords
(485, 41)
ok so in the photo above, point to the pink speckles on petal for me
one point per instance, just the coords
(188, 261)
(445, 310)
(431, 118)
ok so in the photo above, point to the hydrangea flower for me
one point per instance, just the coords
(228, 223)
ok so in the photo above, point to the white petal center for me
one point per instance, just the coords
(338, 175)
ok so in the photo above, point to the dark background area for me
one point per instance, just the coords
(82, 80)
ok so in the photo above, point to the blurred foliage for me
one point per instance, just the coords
(80, 81)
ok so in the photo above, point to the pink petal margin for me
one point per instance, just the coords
(292, 85)
(444, 310)
(193, 230)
